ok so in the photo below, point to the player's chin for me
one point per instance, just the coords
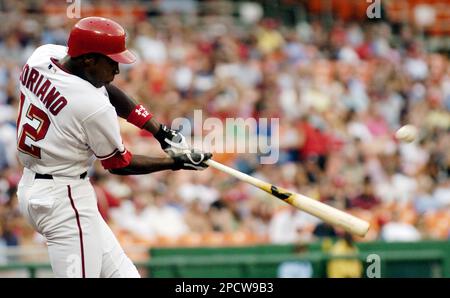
(109, 81)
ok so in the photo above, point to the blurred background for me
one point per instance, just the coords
(341, 81)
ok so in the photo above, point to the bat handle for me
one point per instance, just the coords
(237, 174)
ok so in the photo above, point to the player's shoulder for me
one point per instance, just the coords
(47, 51)
(51, 49)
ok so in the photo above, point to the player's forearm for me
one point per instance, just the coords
(140, 165)
(152, 126)
(124, 105)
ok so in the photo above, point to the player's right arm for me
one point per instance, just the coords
(141, 164)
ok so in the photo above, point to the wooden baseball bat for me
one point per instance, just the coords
(325, 212)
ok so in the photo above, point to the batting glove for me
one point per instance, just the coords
(190, 160)
(171, 141)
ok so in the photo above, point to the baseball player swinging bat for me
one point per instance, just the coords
(325, 212)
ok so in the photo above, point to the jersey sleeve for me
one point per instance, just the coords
(103, 135)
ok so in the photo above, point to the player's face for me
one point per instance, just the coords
(101, 71)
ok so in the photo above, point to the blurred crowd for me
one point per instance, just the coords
(340, 94)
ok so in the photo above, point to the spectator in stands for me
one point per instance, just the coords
(344, 267)
(366, 199)
(397, 230)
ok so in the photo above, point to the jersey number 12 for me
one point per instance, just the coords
(35, 134)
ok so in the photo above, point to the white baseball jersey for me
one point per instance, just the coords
(64, 122)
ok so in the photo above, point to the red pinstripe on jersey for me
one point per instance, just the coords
(80, 231)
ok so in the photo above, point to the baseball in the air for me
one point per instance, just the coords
(406, 133)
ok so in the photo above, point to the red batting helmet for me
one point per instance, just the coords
(99, 35)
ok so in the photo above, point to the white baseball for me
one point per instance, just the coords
(407, 133)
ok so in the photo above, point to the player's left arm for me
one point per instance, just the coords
(138, 115)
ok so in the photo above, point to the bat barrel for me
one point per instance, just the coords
(330, 214)
(323, 211)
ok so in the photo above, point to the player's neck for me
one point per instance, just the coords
(72, 67)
